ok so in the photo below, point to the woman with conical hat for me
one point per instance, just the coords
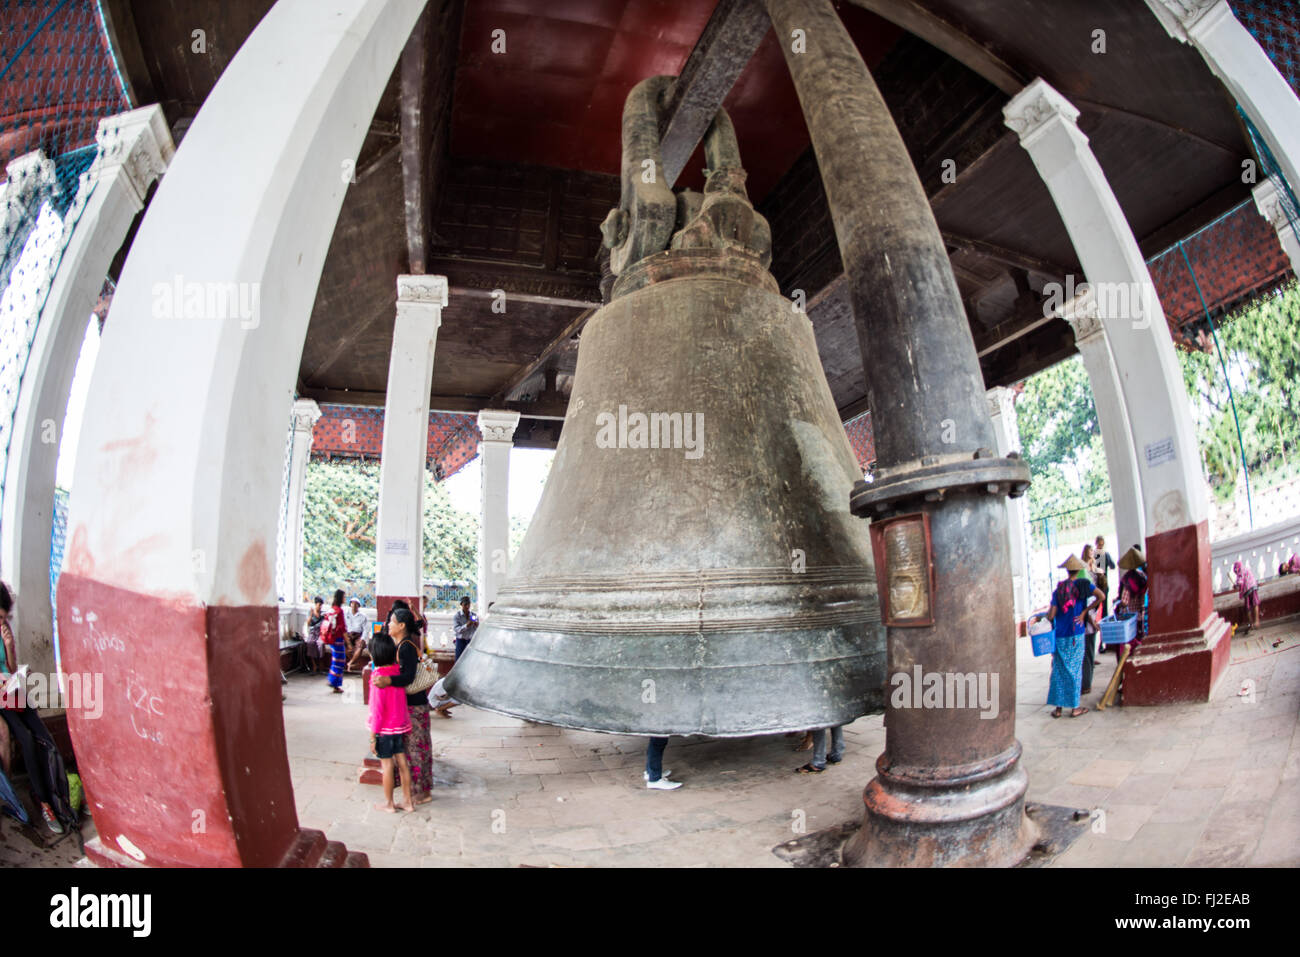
(1132, 592)
(1073, 599)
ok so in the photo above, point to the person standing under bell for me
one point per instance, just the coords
(819, 759)
(464, 625)
(655, 774)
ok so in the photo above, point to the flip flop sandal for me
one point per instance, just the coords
(808, 769)
(1056, 713)
(1078, 712)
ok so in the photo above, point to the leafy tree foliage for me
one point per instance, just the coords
(1061, 440)
(339, 527)
(1263, 365)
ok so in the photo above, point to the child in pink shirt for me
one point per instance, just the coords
(389, 723)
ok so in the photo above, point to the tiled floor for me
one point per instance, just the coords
(1211, 784)
(1214, 784)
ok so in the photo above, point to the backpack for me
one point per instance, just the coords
(333, 630)
(60, 792)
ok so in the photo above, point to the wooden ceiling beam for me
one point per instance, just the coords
(729, 40)
(536, 299)
(939, 33)
(413, 109)
(1007, 257)
(124, 43)
(854, 409)
(528, 371)
(519, 283)
(456, 404)
(1183, 225)
(426, 77)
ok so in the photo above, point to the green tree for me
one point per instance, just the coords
(1061, 440)
(1258, 343)
(339, 527)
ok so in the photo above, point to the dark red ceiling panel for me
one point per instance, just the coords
(555, 96)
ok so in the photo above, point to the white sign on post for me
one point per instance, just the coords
(1158, 453)
(397, 546)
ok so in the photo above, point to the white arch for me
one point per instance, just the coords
(168, 580)
(182, 455)
(134, 150)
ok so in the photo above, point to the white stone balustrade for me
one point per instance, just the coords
(1261, 550)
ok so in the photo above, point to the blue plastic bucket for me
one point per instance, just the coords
(1044, 641)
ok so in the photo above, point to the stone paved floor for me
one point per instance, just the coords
(1214, 784)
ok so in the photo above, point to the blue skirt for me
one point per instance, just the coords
(1067, 672)
(337, 655)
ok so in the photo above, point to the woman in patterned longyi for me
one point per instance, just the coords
(1070, 606)
(334, 633)
(404, 628)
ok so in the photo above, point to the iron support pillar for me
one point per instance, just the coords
(949, 789)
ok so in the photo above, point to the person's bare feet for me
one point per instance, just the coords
(407, 807)
(807, 742)
(424, 800)
(381, 806)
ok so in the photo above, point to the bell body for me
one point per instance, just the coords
(692, 567)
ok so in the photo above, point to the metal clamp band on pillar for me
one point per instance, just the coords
(950, 789)
(931, 480)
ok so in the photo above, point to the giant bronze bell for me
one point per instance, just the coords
(692, 567)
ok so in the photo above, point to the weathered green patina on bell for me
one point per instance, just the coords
(693, 567)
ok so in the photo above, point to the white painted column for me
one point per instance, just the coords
(1112, 418)
(169, 583)
(400, 539)
(1269, 204)
(303, 419)
(134, 150)
(30, 181)
(1245, 69)
(1186, 652)
(1128, 309)
(1002, 412)
(498, 429)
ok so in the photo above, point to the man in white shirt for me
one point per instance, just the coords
(355, 621)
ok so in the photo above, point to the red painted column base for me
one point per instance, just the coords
(185, 765)
(1186, 650)
(309, 849)
(1180, 666)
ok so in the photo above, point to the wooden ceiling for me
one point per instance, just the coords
(495, 169)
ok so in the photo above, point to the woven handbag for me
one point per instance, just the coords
(426, 673)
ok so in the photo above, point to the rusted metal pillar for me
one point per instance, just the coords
(949, 789)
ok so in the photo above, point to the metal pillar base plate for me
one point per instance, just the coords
(1058, 829)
